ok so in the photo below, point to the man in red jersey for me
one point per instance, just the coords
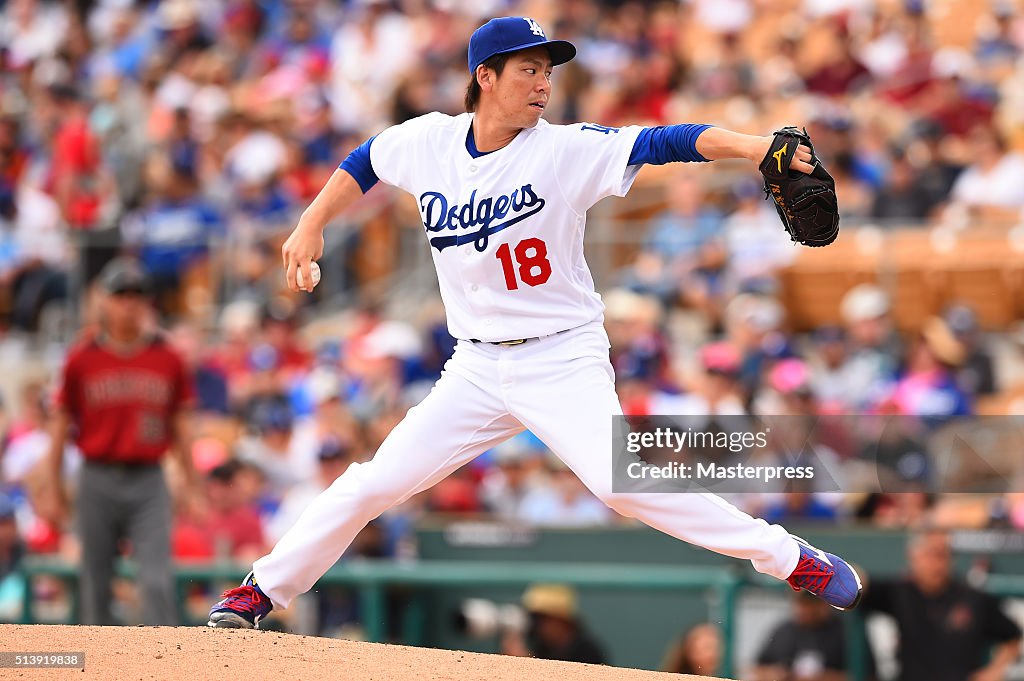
(125, 394)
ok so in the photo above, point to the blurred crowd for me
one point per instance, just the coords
(180, 132)
(908, 392)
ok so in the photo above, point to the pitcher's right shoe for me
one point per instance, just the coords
(827, 576)
(242, 607)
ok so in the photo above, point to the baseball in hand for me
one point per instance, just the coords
(314, 271)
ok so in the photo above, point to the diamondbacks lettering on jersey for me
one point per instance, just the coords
(438, 216)
(127, 386)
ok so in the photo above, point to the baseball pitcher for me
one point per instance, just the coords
(503, 196)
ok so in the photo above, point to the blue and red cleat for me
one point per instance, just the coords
(242, 607)
(827, 576)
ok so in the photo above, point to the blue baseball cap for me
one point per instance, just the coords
(510, 34)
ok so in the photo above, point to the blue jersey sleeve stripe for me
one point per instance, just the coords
(358, 165)
(668, 143)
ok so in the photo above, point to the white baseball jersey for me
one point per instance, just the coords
(506, 229)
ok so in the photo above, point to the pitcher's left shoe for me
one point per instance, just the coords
(827, 576)
(242, 608)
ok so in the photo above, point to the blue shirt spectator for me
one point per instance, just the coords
(174, 230)
(175, 234)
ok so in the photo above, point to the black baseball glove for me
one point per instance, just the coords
(806, 203)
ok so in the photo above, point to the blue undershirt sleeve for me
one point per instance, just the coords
(358, 165)
(668, 143)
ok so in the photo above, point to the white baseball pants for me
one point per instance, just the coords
(562, 388)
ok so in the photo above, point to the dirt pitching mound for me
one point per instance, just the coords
(144, 653)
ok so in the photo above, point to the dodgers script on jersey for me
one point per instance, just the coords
(506, 229)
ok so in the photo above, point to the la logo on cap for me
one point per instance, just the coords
(535, 27)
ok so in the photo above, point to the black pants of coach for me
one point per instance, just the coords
(118, 502)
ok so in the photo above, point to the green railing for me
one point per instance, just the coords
(372, 578)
